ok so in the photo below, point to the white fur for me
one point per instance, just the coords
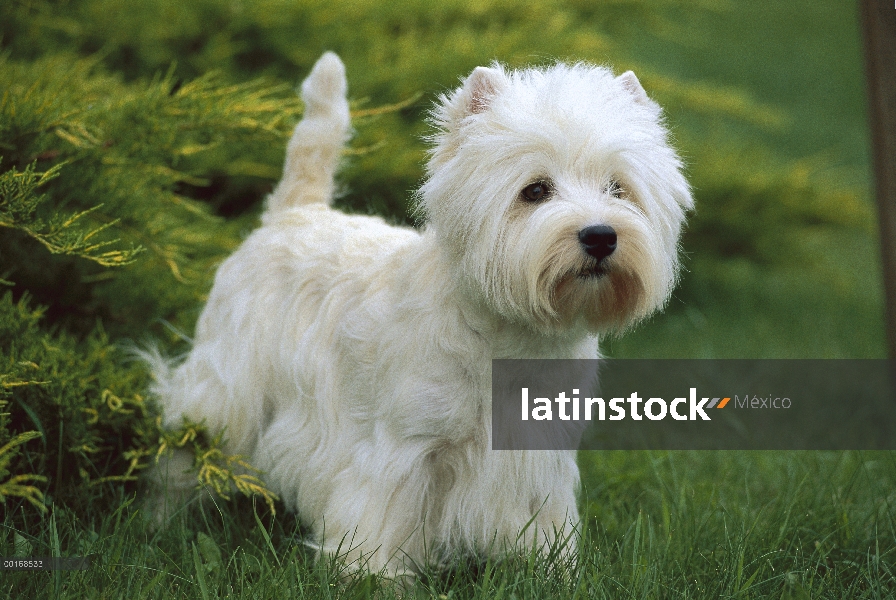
(351, 360)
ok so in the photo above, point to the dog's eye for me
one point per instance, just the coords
(615, 189)
(536, 191)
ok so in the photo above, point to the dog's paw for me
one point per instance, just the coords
(170, 485)
(325, 87)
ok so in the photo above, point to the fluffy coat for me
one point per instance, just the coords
(350, 360)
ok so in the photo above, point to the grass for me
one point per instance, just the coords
(657, 525)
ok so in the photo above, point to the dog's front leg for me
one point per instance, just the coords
(375, 516)
(514, 501)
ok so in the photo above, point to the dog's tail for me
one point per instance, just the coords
(316, 145)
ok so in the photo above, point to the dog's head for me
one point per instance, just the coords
(557, 196)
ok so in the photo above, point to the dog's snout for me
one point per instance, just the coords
(598, 240)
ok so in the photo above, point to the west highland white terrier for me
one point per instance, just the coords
(350, 360)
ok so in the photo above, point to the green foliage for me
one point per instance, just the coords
(765, 215)
(19, 202)
(216, 470)
(57, 390)
(80, 400)
(83, 400)
(17, 485)
(13, 375)
(133, 153)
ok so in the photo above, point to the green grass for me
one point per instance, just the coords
(657, 525)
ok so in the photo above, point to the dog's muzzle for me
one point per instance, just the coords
(599, 241)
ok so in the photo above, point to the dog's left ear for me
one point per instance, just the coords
(630, 82)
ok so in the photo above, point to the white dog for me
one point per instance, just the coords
(351, 360)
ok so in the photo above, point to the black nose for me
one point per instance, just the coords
(598, 240)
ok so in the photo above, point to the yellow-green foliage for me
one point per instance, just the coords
(17, 485)
(19, 202)
(215, 469)
(84, 424)
(122, 159)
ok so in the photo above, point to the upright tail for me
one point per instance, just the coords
(313, 153)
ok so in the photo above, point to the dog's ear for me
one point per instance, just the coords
(477, 92)
(480, 87)
(631, 84)
(474, 96)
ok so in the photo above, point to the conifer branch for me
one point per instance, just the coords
(19, 203)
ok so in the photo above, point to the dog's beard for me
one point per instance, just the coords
(593, 269)
(606, 297)
(568, 289)
(574, 289)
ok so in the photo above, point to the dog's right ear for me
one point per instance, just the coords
(477, 92)
(480, 87)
